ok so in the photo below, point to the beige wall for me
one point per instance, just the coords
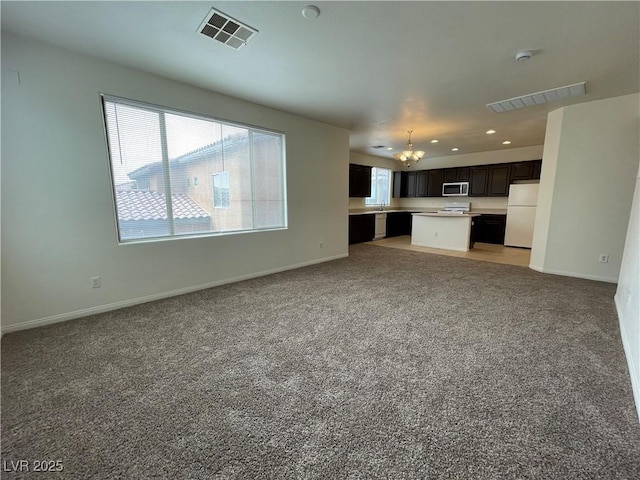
(547, 182)
(53, 242)
(586, 188)
(628, 294)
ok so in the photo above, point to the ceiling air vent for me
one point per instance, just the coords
(532, 99)
(225, 29)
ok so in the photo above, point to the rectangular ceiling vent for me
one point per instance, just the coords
(227, 30)
(532, 99)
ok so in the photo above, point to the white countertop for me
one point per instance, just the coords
(480, 211)
(452, 215)
(391, 210)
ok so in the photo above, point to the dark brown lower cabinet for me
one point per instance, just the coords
(398, 223)
(489, 229)
(362, 228)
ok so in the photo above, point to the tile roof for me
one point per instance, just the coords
(230, 143)
(150, 205)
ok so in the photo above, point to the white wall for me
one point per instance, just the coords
(628, 295)
(586, 188)
(58, 226)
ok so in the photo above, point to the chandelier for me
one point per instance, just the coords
(408, 156)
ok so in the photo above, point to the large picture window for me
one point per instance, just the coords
(177, 174)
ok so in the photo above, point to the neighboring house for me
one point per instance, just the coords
(143, 213)
(219, 179)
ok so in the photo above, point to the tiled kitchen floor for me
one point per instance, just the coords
(481, 251)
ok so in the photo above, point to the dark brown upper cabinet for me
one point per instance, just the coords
(478, 181)
(450, 175)
(435, 179)
(537, 167)
(498, 184)
(421, 183)
(521, 171)
(484, 180)
(526, 170)
(359, 180)
(398, 184)
(411, 184)
(462, 174)
(459, 174)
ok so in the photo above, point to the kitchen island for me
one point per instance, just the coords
(450, 231)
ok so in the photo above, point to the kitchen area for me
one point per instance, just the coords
(479, 209)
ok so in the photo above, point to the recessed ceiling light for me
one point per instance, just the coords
(490, 132)
(506, 142)
(455, 149)
(310, 12)
(435, 140)
(524, 55)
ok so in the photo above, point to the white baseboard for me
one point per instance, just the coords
(598, 278)
(633, 372)
(63, 317)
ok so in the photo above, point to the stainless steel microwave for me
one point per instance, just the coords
(455, 189)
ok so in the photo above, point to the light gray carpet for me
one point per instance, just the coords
(387, 364)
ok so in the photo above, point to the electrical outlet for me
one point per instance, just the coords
(95, 282)
(604, 258)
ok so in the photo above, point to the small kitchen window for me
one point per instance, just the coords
(221, 190)
(380, 187)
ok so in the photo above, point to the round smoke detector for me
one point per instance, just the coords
(310, 12)
(524, 55)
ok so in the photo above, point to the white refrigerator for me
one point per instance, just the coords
(521, 215)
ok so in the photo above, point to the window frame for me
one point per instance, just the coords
(387, 203)
(105, 97)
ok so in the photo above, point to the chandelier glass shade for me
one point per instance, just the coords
(409, 156)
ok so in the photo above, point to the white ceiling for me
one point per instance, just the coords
(377, 68)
